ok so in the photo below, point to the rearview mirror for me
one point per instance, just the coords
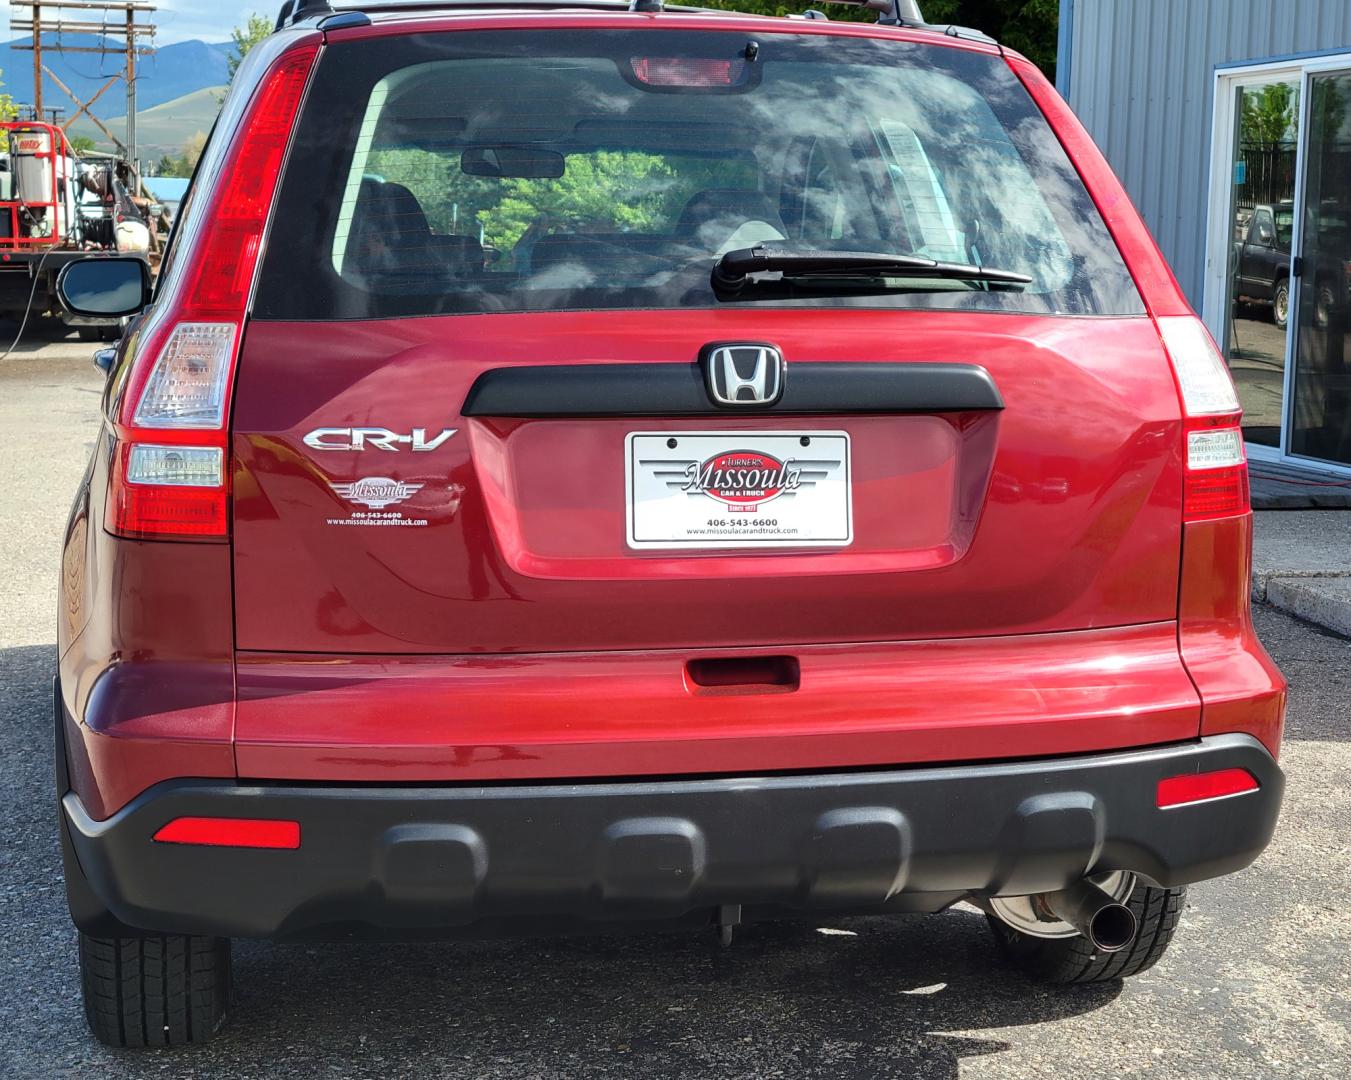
(522, 162)
(108, 288)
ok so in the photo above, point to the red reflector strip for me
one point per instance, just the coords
(1200, 787)
(231, 832)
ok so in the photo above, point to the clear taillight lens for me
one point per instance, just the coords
(186, 388)
(1207, 389)
(176, 466)
(1216, 448)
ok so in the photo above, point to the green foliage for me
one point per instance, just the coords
(255, 28)
(1030, 26)
(1269, 115)
(82, 144)
(601, 191)
(183, 163)
(8, 111)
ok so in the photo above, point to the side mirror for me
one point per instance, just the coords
(108, 288)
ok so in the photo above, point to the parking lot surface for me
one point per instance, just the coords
(1258, 983)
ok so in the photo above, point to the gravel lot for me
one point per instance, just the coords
(1257, 985)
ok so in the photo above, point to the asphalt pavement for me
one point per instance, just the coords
(1257, 984)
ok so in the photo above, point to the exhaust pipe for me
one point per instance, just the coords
(1105, 922)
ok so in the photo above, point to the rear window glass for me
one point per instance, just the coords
(496, 171)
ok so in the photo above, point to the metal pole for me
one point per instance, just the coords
(131, 96)
(37, 62)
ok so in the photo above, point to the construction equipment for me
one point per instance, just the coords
(56, 206)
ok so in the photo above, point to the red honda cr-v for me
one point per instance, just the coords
(583, 465)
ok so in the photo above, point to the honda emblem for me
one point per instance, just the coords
(743, 374)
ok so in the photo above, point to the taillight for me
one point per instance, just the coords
(1216, 483)
(169, 471)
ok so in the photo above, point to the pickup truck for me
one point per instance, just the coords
(1262, 259)
(1262, 262)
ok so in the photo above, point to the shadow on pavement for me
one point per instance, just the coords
(905, 997)
(38, 334)
(878, 997)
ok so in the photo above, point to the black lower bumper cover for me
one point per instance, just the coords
(386, 861)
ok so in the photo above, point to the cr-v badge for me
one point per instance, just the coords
(375, 438)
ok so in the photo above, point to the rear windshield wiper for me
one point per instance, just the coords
(734, 269)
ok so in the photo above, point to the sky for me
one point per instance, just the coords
(182, 20)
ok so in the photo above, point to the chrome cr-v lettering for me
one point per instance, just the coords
(376, 438)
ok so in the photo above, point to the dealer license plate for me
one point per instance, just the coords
(691, 490)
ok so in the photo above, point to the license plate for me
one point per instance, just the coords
(691, 490)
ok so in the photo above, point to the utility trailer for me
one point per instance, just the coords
(56, 207)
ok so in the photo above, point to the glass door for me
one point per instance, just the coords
(1320, 416)
(1262, 213)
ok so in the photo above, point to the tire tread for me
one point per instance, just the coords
(164, 990)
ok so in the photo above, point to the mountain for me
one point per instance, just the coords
(171, 72)
(164, 128)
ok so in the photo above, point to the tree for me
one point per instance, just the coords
(1269, 115)
(183, 163)
(1030, 26)
(82, 144)
(255, 28)
(8, 111)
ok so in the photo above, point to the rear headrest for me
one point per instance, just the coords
(392, 209)
(713, 215)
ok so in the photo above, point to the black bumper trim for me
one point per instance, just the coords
(413, 859)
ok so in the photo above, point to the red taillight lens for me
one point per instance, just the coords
(221, 279)
(231, 832)
(680, 71)
(169, 471)
(1202, 787)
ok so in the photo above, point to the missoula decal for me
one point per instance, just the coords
(744, 480)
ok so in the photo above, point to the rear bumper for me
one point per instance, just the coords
(403, 860)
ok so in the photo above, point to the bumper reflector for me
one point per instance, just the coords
(1202, 787)
(231, 832)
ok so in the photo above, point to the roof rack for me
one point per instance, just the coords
(293, 11)
(889, 12)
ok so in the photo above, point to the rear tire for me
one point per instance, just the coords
(166, 990)
(1074, 960)
(1280, 304)
(89, 333)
